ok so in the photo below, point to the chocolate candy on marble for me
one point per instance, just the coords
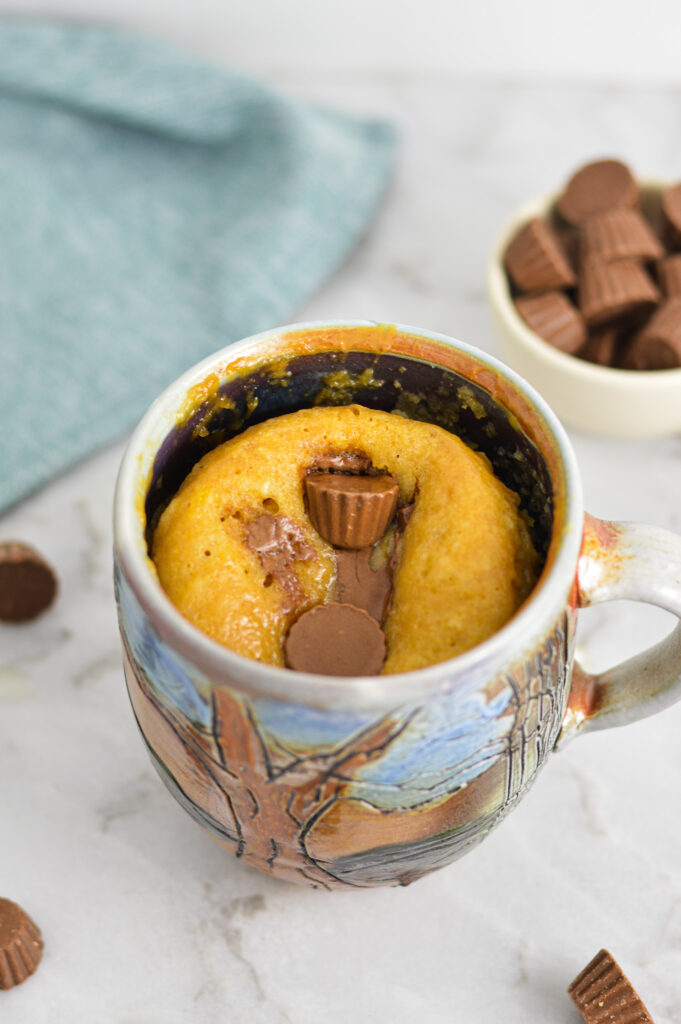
(21, 945)
(604, 995)
(28, 585)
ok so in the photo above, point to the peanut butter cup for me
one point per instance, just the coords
(351, 511)
(536, 261)
(619, 234)
(21, 945)
(598, 186)
(28, 584)
(336, 640)
(658, 345)
(608, 291)
(626, 269)
(669, 275)
(604, 995)
(671, 212)
(602, 346)
(553, 317)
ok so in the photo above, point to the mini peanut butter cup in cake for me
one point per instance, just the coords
(21, 945)
(608, 291)
(351, 511)
(604, 995)
(669, 275)
(671, 213)
(619, 234)
(536, 260)
(336, 640)
(596, 187)
(657, 346)
(553, 317)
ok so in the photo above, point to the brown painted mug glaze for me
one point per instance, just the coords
(379, 780)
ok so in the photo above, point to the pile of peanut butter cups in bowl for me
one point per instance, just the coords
(585, 291)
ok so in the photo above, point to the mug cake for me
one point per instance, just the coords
(347, 541)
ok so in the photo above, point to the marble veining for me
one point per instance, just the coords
(145, 919)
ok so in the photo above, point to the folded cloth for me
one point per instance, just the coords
(153, 208)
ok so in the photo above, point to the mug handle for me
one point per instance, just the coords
(640, 563)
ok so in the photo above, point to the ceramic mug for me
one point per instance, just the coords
(339, 782)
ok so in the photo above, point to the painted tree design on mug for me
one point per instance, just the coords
(332, 799)
(263, 809)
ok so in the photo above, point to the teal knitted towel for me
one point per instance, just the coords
(152, 209)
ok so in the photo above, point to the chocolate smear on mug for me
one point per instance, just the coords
(604, 995)
(279, 543)
(336, 639)
(21, 945)
(28, 585)
(351, 511)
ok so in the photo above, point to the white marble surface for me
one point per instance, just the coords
(146, 920)
(596, 42)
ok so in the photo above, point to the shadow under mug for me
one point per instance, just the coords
(373, 781)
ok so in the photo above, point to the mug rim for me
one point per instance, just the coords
(225, 667)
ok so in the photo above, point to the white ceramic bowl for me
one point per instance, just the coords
(596, 399)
